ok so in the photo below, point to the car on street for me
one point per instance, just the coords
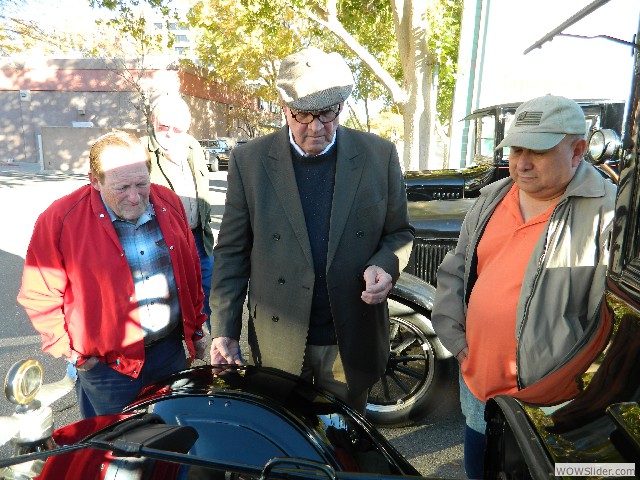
(216, 153)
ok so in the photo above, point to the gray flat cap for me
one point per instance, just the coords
(312, 80)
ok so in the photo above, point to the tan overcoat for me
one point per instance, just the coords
(263, 246)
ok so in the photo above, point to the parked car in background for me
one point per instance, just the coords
(439, 199)
(216, 153)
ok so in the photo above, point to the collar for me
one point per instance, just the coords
(299, 150)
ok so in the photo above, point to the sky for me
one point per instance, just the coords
(574, 67)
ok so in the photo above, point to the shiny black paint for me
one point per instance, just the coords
(252, 414)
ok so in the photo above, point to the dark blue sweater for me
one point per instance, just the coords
(315, 177)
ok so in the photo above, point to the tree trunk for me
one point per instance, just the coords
(417, 66)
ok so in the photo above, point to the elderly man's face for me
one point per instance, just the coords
(126, 185)
(312, 137)
(545, 174)
(171, 133)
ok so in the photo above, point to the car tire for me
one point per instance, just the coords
(415, 377)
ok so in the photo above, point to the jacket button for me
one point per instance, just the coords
(276, 236)
(281, 281)
(275, 318)
(359, 234)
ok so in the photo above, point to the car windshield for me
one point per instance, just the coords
(484, 139)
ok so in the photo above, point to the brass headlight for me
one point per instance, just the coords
(23, 382)
(603, 145)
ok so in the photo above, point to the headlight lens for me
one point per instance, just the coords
(603, 145)
(23, 382)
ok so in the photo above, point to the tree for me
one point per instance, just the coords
(404, 63)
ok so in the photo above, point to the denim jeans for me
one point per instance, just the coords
(475, 439)
(206, 267)
(102, 390)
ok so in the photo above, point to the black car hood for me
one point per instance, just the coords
(426, 185)
(251, 414)
(439, 218)
(236, 417)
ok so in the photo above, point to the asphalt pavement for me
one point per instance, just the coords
(433, 445)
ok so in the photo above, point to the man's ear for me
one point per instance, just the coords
(579, 147)
(95, 183)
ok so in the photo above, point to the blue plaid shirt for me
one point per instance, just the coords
(153, 278)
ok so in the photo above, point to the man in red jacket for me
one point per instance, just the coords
(112, 279)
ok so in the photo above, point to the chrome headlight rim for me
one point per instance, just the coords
(23, 382)
(603, 146)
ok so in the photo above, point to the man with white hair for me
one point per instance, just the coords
(316, 228)
(178, 162)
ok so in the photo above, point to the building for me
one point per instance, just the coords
(54, 109)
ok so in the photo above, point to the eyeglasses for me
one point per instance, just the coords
(324, 116)
(166, 128)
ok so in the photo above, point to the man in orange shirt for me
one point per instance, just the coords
(521, 292)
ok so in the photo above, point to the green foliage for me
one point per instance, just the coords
(240, 49)
(288, 25)
(444, 24)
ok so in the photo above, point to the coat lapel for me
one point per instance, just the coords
(279, 166)
(348, 173)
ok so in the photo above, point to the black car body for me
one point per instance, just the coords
(602, 424)
(439, 199)
(211, 422)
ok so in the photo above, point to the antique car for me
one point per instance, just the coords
(439, 199)
(600, 428)
(487, 129)
(206, 422)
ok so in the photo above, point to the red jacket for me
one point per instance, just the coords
(77, 287)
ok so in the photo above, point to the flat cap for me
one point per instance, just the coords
(312, 80)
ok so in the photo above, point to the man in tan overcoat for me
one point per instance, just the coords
(316, 228)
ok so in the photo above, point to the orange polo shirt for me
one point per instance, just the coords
(503, 254)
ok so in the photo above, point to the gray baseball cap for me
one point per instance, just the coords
(312, 80)
(541, 123)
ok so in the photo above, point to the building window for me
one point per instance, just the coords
(182, 38)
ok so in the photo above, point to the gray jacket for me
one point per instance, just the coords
(264, 245)
(558, 308)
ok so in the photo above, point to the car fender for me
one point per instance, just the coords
(410, 296)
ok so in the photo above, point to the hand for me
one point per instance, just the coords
(378, 284)
(200, 345)
(225, 350)
(462, 355)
